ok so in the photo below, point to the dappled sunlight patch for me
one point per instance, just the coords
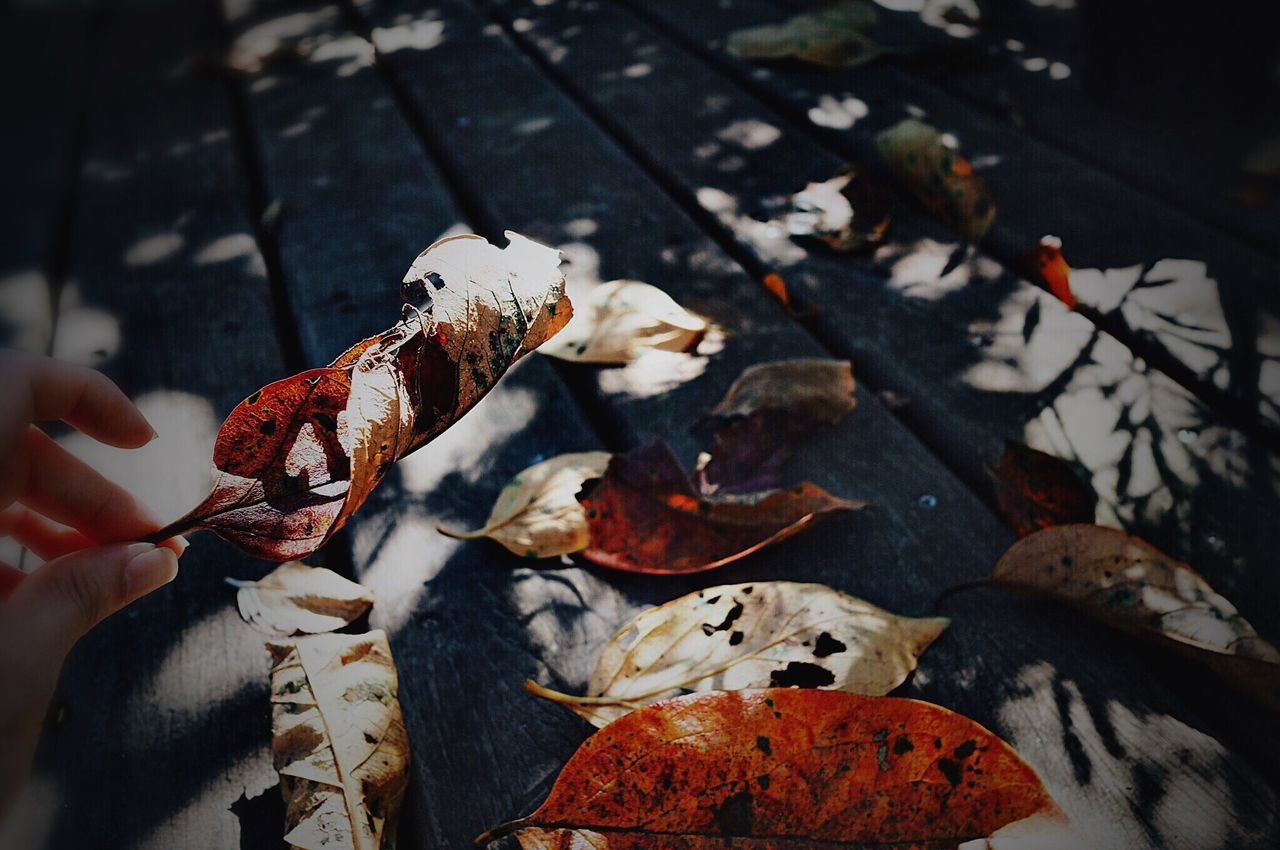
(838, 113)
(86, 336)
(352, 52)
(750, 133)
(659, 372)
(153, 249)
(402, 552)
(1269, 368)
(421, 34)
(928, 269)
(568, 614)
(286, 35)
(208, 814)
(768, 239)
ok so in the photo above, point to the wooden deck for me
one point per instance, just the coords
(209, 195)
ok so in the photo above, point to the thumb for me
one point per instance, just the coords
(70, 595)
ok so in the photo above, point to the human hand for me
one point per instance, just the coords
(91, 569)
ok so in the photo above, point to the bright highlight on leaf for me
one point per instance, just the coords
(846, 212)
(538, 514)
(759, 635)
(791, 769)
(1135, 587)
(940, 178)
(297, 458)
(623, 319)
(1035, 490)
(297, 599)
(338, 741)
(834, 37)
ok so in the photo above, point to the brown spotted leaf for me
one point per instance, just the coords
(1133, 586)
(758, 635)
(645, 516)
(294, 460)
(338, 741)
(938, 176)
(1035, 490)
(787, 769)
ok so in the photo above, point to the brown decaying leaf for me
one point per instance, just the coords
(787, 769)
(297, 458)
(1133, 586)
(940, 178)
(767, 412)
(758, 635)
(621, 321)
(338, 741)
(834, 37)
(1035, 490)
(297, 599)
(538, 515)
(645, 516)
(846, 212)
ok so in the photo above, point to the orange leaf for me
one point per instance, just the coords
(646, 516)
(1035, 490)
(792, 769)
(1054, 271)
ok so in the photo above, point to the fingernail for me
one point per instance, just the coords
(149, 567)
(178, 544)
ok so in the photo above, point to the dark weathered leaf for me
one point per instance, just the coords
(835, 37)
(846, 212)
(787, 769)
(646, 516)
(939, 177)
(297, 458)
(1035, 490)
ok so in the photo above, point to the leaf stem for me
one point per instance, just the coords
(464, 535)
(502, 830)
(173, 529)
(569, 699)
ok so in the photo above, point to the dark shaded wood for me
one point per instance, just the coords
(530, 157)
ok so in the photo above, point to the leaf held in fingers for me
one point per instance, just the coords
(787, 769)
(846, 212)
(834, 37)
(623, 319)
(338, 740)
(645, 516)
(1035, 490)
(759, 635)
(294, 460)
(768, 411)
(538, 514)
(940, 178)
(1135, 587)
(297, 599)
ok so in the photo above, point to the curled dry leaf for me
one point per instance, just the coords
(767, 412)
(741, 636)
(338, 741)
(846, 212)
(298, 457)
(1035, 490)
(538, 514)
(835, 37)
(645, 516)
(786, 768)
(297, 599)
(623, 319)
(1051, 270)
(940, 178)
(1135, 587)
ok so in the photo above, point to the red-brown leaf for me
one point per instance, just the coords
(646, 516)
(790, 769)
(1035, 490)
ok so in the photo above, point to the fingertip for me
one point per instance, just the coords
(149, 568)
(177, 544)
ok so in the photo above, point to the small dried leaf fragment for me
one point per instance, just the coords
(1133, 586)
(846, 212)
(294, 460)
(645, 516)
(834, 37)
(297, 599)
(1035, 490)
(765, 634)
(1052, 271)
(788, 768)
(338, 741)
(537, 514)
(623, 319)
(815, 389)
(938, 176)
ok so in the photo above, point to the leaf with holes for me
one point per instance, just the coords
(846, 212)
(790, 769)
(834, 37)
(297, 599)
(759, 635)
(939, 177)
(767, 412)
(645, 516)
(622, 320)
(1133, 586)
(538, 514)
(338, 741)
(294, 460)
(1035, 490)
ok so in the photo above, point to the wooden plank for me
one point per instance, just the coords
(358, 200)
(161, 722)
(531, 157)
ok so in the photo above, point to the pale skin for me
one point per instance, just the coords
(75, 520)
